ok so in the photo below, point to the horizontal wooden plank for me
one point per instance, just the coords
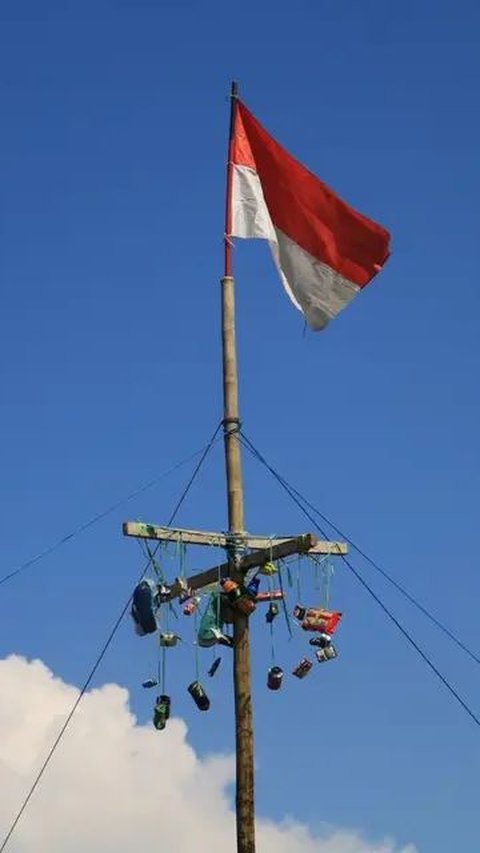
(215, 539)
(299, 545)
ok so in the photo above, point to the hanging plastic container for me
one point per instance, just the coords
(161, 711)
(199, 696)
(143, 608)
(303, 668)
(150, 682)
(274, 678)
(216, 663)
(272, 613)
(168, 640)
(322, 641)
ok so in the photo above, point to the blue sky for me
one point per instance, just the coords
(111, 204)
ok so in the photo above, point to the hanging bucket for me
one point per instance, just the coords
(274, 678)
(303, 668)
(199, 696)
(161, 712)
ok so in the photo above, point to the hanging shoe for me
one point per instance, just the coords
(143, 608)
(216, 663)
(150, 682)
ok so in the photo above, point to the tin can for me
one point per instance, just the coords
(322, 641)
(302, 668)
(191, 606)
(274, 678)
(199, 696)
(271, 613)
(273, 595)
(168, 640)
(330, 652)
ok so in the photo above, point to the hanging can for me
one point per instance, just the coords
(272, 595)
(199, 696)
(168, 640)
(322, 641)
(302, 668)
(330, 652)
(320, 655)
(274, 678)
(272, 613)
(191, 606)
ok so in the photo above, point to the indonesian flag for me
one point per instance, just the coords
(325, 251)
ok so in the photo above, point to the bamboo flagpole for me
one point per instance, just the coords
(245, 806)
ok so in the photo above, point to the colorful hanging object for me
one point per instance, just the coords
(317, 619)
(274, 678)
(270, 595)
(144, 607)
(238, 596)
(161, 711)
(302, 668)
(199, 696)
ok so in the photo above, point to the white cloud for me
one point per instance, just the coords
(114, 786)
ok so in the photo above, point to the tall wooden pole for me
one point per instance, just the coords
(245, 807)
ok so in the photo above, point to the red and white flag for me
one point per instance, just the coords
(325, 251)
